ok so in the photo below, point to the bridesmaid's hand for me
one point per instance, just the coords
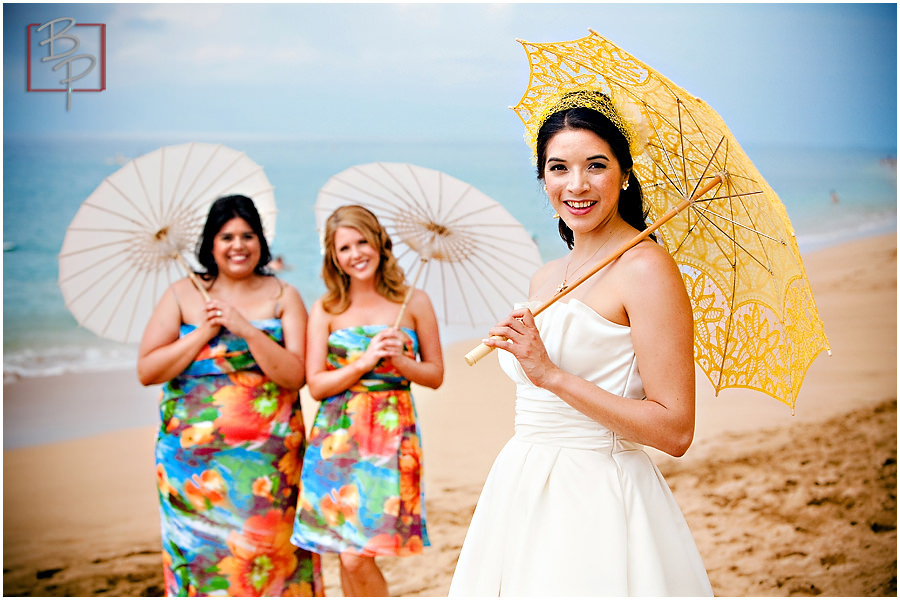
(523, 341)
(386, 344)
(398, 348)
(221, 314)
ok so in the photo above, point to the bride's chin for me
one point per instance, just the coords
(578, 225)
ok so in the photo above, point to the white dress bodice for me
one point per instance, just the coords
(585, 344)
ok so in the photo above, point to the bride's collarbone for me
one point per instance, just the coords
(602, 298)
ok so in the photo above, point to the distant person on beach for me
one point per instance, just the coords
(231, 440)
(277, 264)
(362, 491)
(573, 506)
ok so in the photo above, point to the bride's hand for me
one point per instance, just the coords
(523, 340)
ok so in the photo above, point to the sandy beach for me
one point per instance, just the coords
(780, 505)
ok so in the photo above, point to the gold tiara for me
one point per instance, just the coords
(582, 97)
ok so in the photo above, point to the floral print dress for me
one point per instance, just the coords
(362, 487)
(228, 459)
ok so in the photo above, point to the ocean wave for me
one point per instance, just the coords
(810, 242)
(44, 362)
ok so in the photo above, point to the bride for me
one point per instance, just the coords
(573, 505)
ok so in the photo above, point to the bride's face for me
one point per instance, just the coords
(583, 179)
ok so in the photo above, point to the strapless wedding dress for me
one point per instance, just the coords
(569, 507)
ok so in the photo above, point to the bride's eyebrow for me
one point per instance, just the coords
(595, 157)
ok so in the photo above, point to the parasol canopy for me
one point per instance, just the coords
(468, 253)
(755, 319)
(138, 231)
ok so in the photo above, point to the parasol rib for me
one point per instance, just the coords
(118, 306)
(392, 200)
(140, 177)
(147, 219)
(187, 200)
(109, 289)
(233, 185)
(667, 156)
(481, 295)
(496, 273)
(706, 212)
(421, 207)
(225, 168)
(176, 205)
(104, 260)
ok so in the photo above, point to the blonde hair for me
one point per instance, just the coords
(389, 277)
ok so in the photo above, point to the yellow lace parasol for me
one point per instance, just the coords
(756, 323)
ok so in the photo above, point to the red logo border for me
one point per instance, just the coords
(102, 87)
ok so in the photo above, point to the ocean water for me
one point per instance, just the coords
(46, 180)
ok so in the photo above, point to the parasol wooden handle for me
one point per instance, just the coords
(483, 350)
(410, 291)
(480, 351)
(193, 276)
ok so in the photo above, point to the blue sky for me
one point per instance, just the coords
(806, 74)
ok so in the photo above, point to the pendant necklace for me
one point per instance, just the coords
(564, 285)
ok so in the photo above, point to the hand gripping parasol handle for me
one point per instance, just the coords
(483, 350)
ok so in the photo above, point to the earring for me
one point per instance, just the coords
(556, 216)
(625, 186)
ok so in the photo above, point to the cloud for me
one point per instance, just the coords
(175, 44)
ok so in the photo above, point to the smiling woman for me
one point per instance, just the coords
(362, 487)
(231, 437)
(573, 505)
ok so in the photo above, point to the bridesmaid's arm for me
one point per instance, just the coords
(429, 371)
(324, 383)
(162, 354)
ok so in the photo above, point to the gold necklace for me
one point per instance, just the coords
(563, 285)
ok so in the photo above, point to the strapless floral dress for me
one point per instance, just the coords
(362, 487)
(228, 458)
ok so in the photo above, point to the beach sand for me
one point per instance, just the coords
(779, 505)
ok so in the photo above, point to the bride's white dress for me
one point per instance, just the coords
(569, 507)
